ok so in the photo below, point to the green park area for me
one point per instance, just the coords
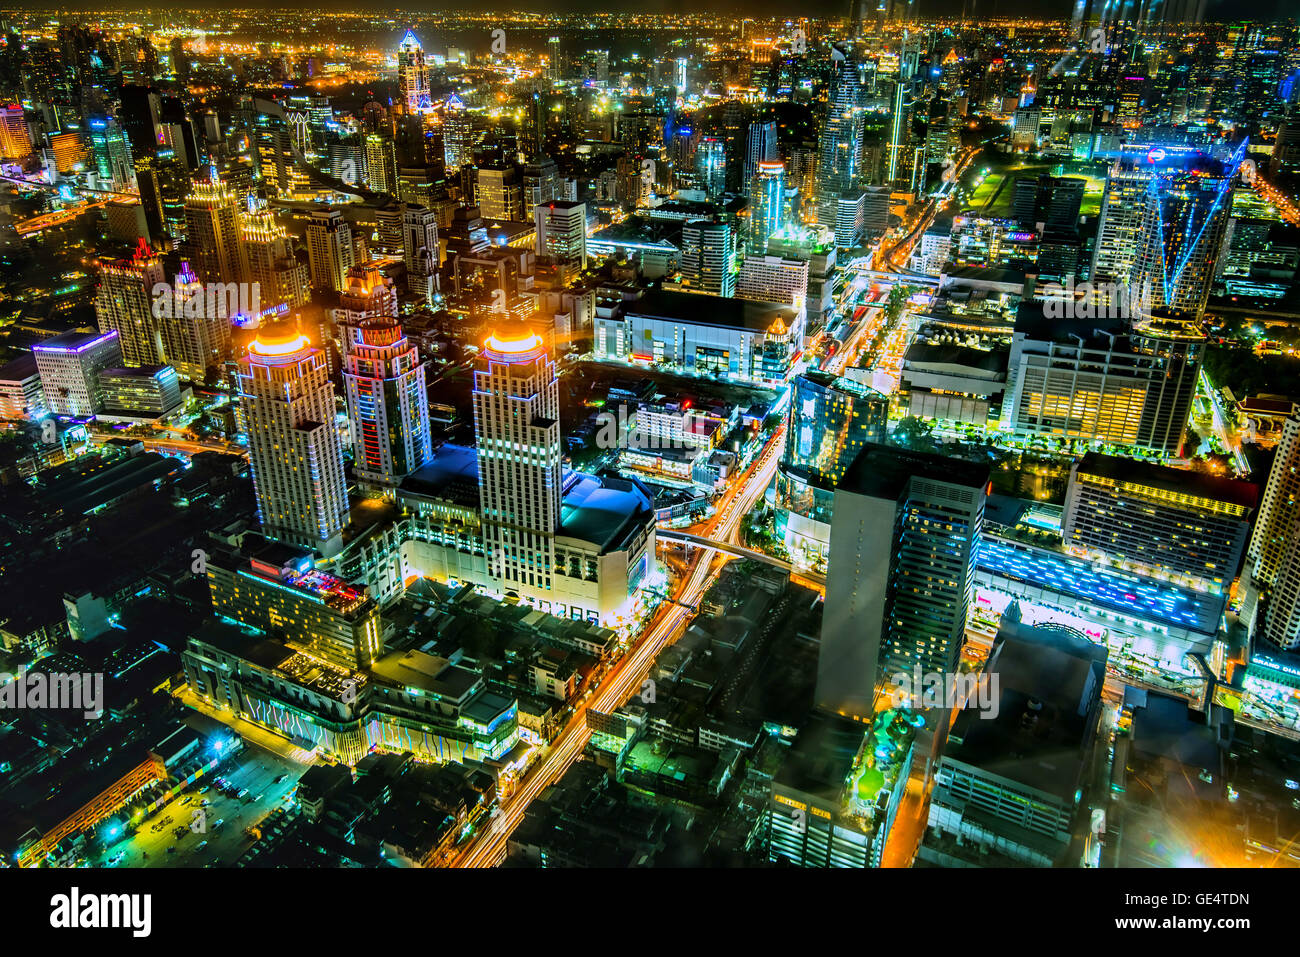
(994, 192)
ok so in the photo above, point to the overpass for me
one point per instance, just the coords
(675, 535)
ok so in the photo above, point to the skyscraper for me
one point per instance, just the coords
(420, 250)
(840, 146)
(562, 232)
(900, 573)
(387, 406)
(70, 365)
(1279, 510)
(711, 167)
(760, 147)
(411, 78)
(517, 427)
(329, 248)
(707, 254)
(213, 242)
(124, 302)
(766, 205)
(280, 279)
(293, 445)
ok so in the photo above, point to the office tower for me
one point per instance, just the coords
(899, 128)
(766, 205)
(213, 244)
(420, 250)
(1119, 224)
(517, 428)
(196, 341)
(1052, 200)
(816, 246)
(829, 421)
(381, 163)
(387, 406)
(111, 153)
(500, 193)
(555, 61)
(1158, 521)
(760, 147)
(840, 146)
(711, 167)
(293, 444)
(707, 254)
(1279, 510)
(20, 389)
(15, 140)
(457, 133)
(773, 279)
(70, 365)
(993, 809)
(278, 276)
(124, 303)
(411, 79)
(562, 232)
(1184, 219)
(900, 572)
(1102, 381)
(278, 589)
(991, 241)
(147, 391)
(850, 218)
(541, 182)
(329, 248)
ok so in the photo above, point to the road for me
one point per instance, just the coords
(177, 446)
(1231, 441)
(488, 847)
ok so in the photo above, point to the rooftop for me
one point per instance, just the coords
(1179, 481)
(705, 310)
(883, 471)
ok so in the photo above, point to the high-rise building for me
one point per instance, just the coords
(70, 365)
(213, 242)
(766, 204)
(1102, 381)
(1184, 218)
(840, 147)
(1279, 510)
(707, 256)
(111, 152)
(830, 420)
(293, 443)
(420, 250)
(280, 278)
(411, 78)
(541, 182)
(387, 405)
(15, 140)
(124, 302)
(381, 163)
(711, 167)
(900, 574)
(499, 193)
(760, 147)
(1054, 201)
(196, 341)
(773, 279)
(517, 428)
(562, 232)
(457, 134)
(1158, 521)
(329, 248)
(368, 293)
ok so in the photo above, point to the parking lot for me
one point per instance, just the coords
(204, 827)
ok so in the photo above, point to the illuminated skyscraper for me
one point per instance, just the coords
(1279, 510)
(411, 77)
(111, 152)
(840, 146)
(900, 574)
(830, 420)
(280, 278)
(124, 302)
(708, 252)
(517, 427)
(213, 242)
(1184, 219)
(562, 232)
(293, 444)
(766, 205)
(70, 365)
(420, 250)
(760, 147)
(387, 406)
(329, 248)
(457, 134)
(711, 167)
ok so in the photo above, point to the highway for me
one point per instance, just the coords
(488, 847)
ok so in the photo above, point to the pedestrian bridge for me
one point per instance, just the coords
(675, 535)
